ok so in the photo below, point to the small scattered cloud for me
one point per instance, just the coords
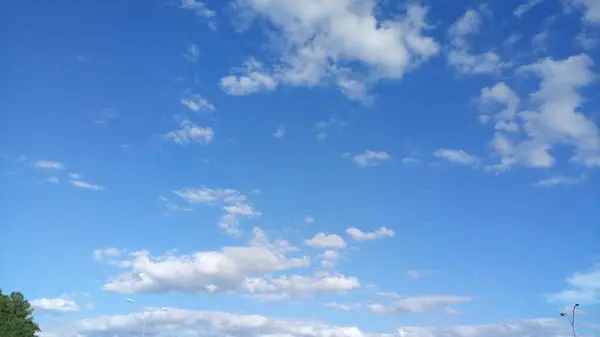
(451, 311)
(526, 7)
(86, 185)
(106, 116)
(53, 180)
(75, 176)
(558, 181)
(280, 132)
(417, 274)
(322, 240)
(456, 156)
(195, 102)
(191, 53)
(332, 125)
(359, 235)
(343, 306)
(48, 164)
(309, 219)
(371, 158)
(251, 79)
(189, 132)
(410, 160)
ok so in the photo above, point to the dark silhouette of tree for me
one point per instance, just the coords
(16, 316)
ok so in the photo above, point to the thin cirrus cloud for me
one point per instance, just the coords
(49, 164)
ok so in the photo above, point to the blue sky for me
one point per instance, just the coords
(302, 168)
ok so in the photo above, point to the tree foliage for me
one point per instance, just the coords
(16, 316)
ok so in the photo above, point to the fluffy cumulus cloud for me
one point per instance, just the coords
(316, 41)
(527, 135)
(247, 270)
(163, 323)
(54, 305)
(322, 240)
(359, 235)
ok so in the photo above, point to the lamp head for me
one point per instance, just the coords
(576, 305)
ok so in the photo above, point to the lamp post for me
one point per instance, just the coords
(571, 319)
(129, 300)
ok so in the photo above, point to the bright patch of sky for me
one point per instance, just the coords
(302, 168)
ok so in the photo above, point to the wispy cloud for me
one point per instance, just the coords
(47, 164)
(85, 185)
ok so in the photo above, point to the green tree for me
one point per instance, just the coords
(16, 316)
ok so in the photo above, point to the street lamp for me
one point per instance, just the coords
(571, 318)
(129, 300)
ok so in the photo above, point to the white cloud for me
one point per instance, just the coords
(417, 304)
(391, 294)
(558, 180)
(54, 305)
(309, 219)
(85, 185)
(191, 53)
(75, 176)
(526, 7)
(343, 306)
(195, 102)
(417, 274)
(359, 235)
(252, 79)
(553, 119)
(106, 116)
(459, 55)
(503, 95)
(451, 311)
(325, 128)
(410, 160)
(53, 180)
(582, 287)
(456, 156)
(231, 269)
(280, 132)
(591, 9)
(190, 323)
(329, 258)
(47, 164)
(315, 42)
(234, 204)
(284, 287)
(371, 158)
(246, 270)
(101, 254)
(322, 240)
(199, 7)
(191, 133)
